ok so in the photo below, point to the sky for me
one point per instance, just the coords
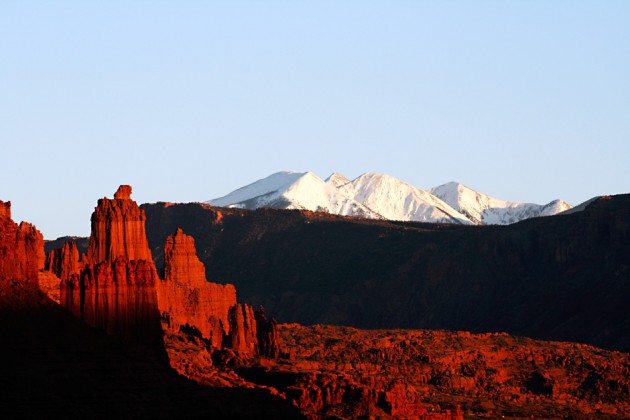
(189, 100)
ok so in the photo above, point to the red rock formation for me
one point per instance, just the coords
(242, 336)
(64, 262)
(117, 297)
(186, 298)
(21, 258)
(118, 230)
(123, 193)
(5, 209)
(431, 374)
(188, 302)
(115, 287)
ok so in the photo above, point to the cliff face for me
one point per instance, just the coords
(21, 258)
(547, 278)
(113, 288)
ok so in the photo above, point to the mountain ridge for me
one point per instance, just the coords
(381, 196)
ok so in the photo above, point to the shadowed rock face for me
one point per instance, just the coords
(564, 277)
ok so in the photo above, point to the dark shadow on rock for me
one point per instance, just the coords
(55, 366)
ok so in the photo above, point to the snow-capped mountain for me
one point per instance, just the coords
(379, 196)
(294, 190)
(483, 209)
(372, 196)
(396, 200)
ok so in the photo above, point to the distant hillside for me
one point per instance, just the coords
(562, 278)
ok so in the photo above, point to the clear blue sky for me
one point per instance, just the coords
(188, 100)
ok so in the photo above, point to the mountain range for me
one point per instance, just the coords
(381, 196)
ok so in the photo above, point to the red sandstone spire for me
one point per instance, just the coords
(181, 262)
(186, 297)
(118, 230)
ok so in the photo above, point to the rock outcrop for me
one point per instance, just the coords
(5, 210)
(64, 262)
(344, 372)
(114, 287)
(186, 298)
(188, 302)
(21, 259)
(118, 230)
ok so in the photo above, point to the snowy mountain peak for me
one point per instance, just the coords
(484, 209)
(398, 200)
(294, 190)
(381, 196)
(260, 189)
(337, 180)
